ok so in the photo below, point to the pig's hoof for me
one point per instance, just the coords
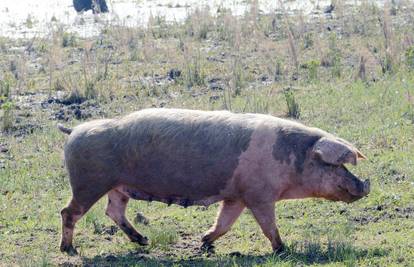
(279, 249)
(69, 249)
(143, 241)
(207, 247)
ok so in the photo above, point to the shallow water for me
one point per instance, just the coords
(35, 18)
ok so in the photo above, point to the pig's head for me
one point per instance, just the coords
(326, 174)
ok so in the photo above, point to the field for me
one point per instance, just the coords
(350, 73)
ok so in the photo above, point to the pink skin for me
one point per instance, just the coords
(262, 181)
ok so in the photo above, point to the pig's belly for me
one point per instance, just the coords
(169, 198)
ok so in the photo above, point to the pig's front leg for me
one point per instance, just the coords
(228, 213)
(264, 213)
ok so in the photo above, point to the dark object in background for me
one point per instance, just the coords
(329, 9)
(173, 74)
(97, 6)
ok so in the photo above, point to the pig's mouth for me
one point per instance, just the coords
(349, 196)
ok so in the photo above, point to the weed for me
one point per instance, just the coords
(29, 21)
(292, 46)
(409, 113)
(226, 25)
(362, 69)
(8, 117)
(278, 71)
(68, 40)
(194, 74)
(237, 81)
(409, 57)
(90, 91)
(388, 61)
(292, 104)
(312, 67)
(5, 89)
(334, 56)
(308, 40)
(199, 23)
(162, 237)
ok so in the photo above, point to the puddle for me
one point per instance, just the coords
(35, 18)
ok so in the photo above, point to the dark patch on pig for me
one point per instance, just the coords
(185, 203)
(183, 155)
(294, 141)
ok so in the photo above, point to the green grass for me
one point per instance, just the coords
(376, 115)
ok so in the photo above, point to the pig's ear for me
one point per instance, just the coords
(360, 155)
(336, 151)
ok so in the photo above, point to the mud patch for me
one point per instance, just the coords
(383, 214)
(80, 111)
(21, 129)
(3, 148)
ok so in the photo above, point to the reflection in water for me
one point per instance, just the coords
(29, 18)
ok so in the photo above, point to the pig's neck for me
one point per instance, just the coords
(295, 191)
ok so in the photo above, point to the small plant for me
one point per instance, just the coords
(237, 79)
(388, 61)
(7, 108)
(292, 47)
(29, 21)
(292, 105)
(3, 44)
(68, 40)
(194, 74)
(409, 57)
(162, 237)
(4, 89)
(362, 69)
(198, 23)
(409, 114)
(334, 56)
(90, 90)
(278, 71)
(308, 40)
(312, 67)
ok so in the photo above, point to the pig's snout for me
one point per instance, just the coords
(362, 190)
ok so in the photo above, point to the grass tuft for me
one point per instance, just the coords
(292, 104)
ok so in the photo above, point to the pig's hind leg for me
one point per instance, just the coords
(84, 196)
(71, 214)
(117, 203)
(229, 211)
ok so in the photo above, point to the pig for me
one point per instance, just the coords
(190, 157)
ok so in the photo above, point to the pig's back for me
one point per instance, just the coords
(183, 153)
